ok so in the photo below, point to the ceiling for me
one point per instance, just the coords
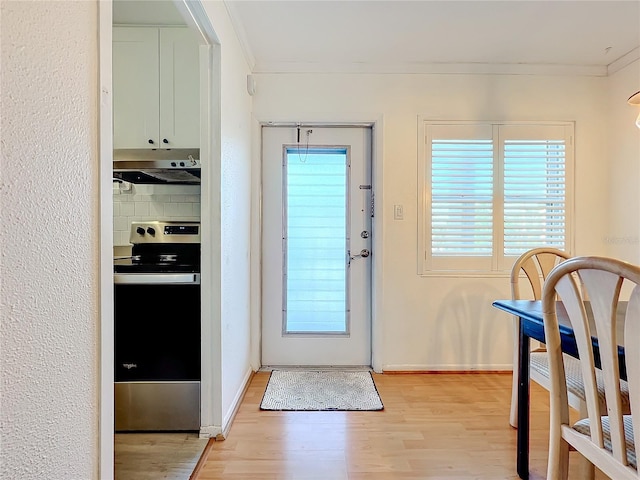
(146, 12)
(432, 36)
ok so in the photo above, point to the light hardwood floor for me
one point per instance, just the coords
(433, 426)
(156, 456)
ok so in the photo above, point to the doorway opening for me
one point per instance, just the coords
(195, 17)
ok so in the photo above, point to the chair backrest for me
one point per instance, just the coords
(602, 279)
(536, 264)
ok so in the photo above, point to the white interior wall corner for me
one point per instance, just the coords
(235, 213)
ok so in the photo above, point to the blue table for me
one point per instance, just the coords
(532, 327)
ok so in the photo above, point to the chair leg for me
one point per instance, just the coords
(586, 469)
(558, 462)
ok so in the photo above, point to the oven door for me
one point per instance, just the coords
(157, 327)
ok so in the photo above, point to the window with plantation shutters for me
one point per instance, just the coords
(491, 191)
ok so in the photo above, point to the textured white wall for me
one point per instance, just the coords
(49, 251)
(434, 322)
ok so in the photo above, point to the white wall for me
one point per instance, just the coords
(49, 241)
(623, 160)
(235, 211)
(433, 322)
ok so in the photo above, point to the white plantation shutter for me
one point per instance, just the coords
(534, 195)
(462, 198)
(460, 216)
(534, 188)
(493, 191)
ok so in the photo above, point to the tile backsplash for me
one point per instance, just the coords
(139, 203)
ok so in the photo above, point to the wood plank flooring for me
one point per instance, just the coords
(155, 456)
(433, 426)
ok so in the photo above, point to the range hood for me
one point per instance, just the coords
(176, 166)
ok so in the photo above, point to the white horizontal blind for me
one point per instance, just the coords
(534, 195)
(461, 197)
(315, 236)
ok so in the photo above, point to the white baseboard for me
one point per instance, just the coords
(221, 432)
(447, 368)
(235, 404)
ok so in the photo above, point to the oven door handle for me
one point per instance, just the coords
(156, 278)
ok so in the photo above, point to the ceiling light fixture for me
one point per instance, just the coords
(635, 100)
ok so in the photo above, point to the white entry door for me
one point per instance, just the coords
(316, 246)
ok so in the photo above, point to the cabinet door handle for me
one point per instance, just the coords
(164, 140)
(151, 141)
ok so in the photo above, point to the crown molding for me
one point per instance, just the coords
(232, 10)
(623, 61)
(432, 68)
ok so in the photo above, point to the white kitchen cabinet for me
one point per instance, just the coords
(155, 88)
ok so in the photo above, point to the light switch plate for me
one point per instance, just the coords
(398, 212)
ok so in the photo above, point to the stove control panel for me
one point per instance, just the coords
(164, 232)
(181, 229)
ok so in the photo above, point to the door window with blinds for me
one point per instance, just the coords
(491, 191)
(315, 240)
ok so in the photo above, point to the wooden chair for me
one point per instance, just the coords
(606, 441)
(536, 265)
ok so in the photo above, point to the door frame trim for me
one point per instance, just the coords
(106, 417)
(211, 384)
(376, 123)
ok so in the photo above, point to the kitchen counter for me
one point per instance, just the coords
(121, 251)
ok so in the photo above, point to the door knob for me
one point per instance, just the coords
(364, 253)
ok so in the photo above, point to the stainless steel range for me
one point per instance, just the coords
(157, 329)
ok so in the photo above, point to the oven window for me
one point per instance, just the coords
(157, 332)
